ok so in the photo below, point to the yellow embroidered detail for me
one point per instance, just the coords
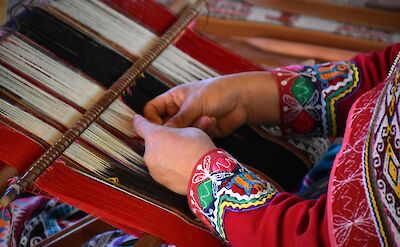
(113, 180)
(340, 96)
(236, 205)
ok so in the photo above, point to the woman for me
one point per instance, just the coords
(355, 98)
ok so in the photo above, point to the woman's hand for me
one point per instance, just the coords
(218, 105)
(171, 154)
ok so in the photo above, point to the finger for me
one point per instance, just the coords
(156, 109)
(171, 110)
(207, 124)
(142, 126)
(212, 127)
(151, 113)
(224, 127)
(187, 115)
(204, 123)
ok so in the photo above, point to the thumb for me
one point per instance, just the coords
(142, 126)
(186, 116)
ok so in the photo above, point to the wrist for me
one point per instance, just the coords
(211, 154)
(261, 99)
(214, 161)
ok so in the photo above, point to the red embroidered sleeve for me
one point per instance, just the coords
(315, 100)
(220, 184)
(246, 210)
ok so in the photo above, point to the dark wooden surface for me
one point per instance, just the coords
(77, 234)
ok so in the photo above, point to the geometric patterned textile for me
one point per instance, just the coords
(364, 188)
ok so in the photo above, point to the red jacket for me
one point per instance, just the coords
(247, 210)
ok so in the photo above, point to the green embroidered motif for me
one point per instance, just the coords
(302, 90)
(205, 192)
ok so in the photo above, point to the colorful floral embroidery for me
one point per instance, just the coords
(309, 95)
(220, 184)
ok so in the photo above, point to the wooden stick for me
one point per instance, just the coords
(3, 11)
(300, 50)
(148, 240)
(78, 233)
(176, 6)
(123, 83)
(258, 55)
(387, 20)
(222, 27)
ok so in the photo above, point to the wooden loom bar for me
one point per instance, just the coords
(240, 28)
(3, 11)
(77, 234)
(387, 20)
(126, 80)
(300, 50)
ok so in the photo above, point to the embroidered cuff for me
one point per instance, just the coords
(309, 96)
(219, 184)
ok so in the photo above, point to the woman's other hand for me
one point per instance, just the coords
(218, 105)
